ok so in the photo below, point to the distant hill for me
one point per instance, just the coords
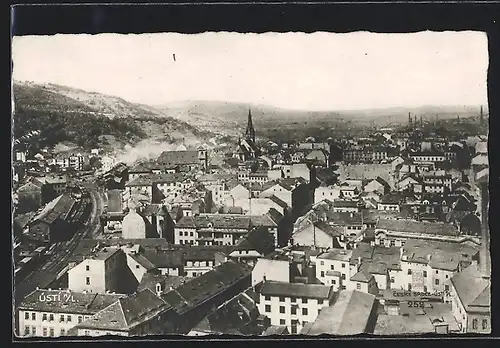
(65, 114)
(231, 117)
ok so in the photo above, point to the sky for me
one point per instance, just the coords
(318, 71)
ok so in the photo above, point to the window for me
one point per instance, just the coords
(304, 300)
(425, 274)
(446, 276)
(293, 299)
(393, 243)
(409, 287)
(425, 288)
(322, 273)
(334, 282)
(137, 266)
(294, 310)
(180, 233)
(331, 267)
(33, 330)
(343, 265)
(358, 286)
(87, 268)
(437, 272)
(282, 322)
(343, 287)
(44, 316)
(322, 263)
(194, 274)
(446, 288)
(267, 298)
(304, 311)
(87, 280)
(68, 318)
(474, 324)
(27, 315)
(392, 279)
(485, 324)
(63, 332)
(282, 299)
(343, 276)
(51, 334)
(44, 331)
(26, 330)
(282, 309)
(268, 308)
(87, 332)
(436, 282)
(33, 316)
(61, 319)
(320, 302)
(51, 317)
(80, 319)
(409, 271)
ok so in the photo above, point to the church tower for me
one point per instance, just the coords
(250, 131)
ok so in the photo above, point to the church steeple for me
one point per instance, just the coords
(250, 131)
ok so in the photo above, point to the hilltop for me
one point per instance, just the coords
(230, 117)
(65, 114)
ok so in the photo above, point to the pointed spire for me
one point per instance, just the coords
(250, 131)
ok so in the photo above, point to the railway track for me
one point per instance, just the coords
(56, 262)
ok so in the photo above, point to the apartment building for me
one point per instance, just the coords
(429, 266)
(293, 304)
(52, 313)
(100, 272)
(333, 268)
(211, 229)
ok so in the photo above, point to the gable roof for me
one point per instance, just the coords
(126, 313)
(191, 294)
(173, 158)
(258, 239)
(59, 207)
(472, 289)
(349, 315)
(227, 221)
(362, 276)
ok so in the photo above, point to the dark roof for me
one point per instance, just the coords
(81, 303)
(275, 330)
(143, 261)
(316, 291)
(362, 276)
(22, 220)
(418, 227)
(391, 198)
(60, 207)
(341, 203)
(162, 258)
(173, 158)
(126, 313)
(278, 201)
(163, 178)
(149, 281)
(198, 290)
(258, 239)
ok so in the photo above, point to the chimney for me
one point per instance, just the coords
(158, 289)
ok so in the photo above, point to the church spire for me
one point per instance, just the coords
(250, 131)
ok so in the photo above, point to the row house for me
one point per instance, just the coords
(70, 160)
(52, 313)
(329, 192)
(248, 177)
(346, 206)
(293, 304)
(146, 168)
(333, 268)
(428, 266)
(397, 232)
(186, 161)
(295, 192)
(434, 157)
(212, 229)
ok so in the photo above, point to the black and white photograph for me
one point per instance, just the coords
(253, 184)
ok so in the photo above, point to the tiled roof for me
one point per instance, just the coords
(178, 157)
(349, 315)
(149, 281)
(362, 276)
(313, 291)
(161, 258)
(420, 227)
(337, 254)
(78, 303)
(60, 207)
(275, 330)
(198, 290)
(258, 239)
(472, 289)
(143, 261)
(114, 201)
(340, 203)
(126, 313)
(278, 201)
(228, 221)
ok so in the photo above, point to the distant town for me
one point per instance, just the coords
(385, 234)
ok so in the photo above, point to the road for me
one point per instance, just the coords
(58, 261)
